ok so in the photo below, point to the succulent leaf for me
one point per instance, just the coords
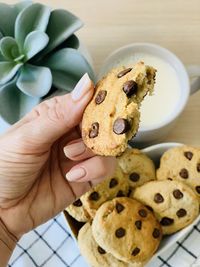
(1, 57)
(9, 48)
(33, 18)
(8, 71)
(8, 14)
(7, 19)
(22, 5)
(67, 64)
(71, 42)
(63, 81)
(35, 81)
(13, 103)
(62, 24)
(34, 43)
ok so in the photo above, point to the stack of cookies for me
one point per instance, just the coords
(127, 214)
(124, 218)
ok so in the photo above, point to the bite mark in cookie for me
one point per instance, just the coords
(115, 107)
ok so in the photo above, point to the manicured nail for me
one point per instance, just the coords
(75, 174)
(74, 149)
(82, 87)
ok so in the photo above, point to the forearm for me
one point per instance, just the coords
(7, 245)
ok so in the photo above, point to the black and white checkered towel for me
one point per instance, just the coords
(51, 245)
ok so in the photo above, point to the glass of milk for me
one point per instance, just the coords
(172, 89)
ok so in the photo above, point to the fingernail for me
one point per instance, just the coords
(75, 149)
(75, 174)
(82, 87)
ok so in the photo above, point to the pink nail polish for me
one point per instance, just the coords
(74, 149)
(75, 174)
(82, 87)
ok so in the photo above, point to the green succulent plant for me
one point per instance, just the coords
(38, 56)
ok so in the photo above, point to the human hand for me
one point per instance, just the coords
(44, 164)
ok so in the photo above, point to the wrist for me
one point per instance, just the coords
(7, 244)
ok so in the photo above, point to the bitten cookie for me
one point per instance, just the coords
(137, 166)
(174, 204)
(127, 229)
(115, 186)
(78, 211)
(94, 254)
(183, 164)
(112, 116)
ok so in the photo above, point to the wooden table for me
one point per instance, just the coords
(174, 24)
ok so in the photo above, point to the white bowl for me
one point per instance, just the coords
(155, 152)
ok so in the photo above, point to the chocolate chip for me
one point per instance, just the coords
(94, 130)
(130, 88)
(184, 174)
(188, 155)
(156, 233)
(129, 192)
(158, 198)
(123, 72)
(198, 189)
(134, 177)
(136, 251)
(121, 126)
(143, 213)
(94, 196)
(78, 203)
(101, 250)
(166, 221)
(138, 224)
(170, 179)
(177, 194)
(120, 194)
(113, 183)
(119, 207)
(198, 167)
(100, 97)
(149, 208)
(181, 213)
(120, 232)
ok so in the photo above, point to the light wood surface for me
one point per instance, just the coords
(174, 24)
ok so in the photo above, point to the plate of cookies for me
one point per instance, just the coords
(142, 210)
(152, 199)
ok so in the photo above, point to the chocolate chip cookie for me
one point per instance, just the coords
(174, 204)
(112, 116)
(94, 254)
(127, 229)
(115, 186)
(78, 211)
(182, 164)
(137, 167)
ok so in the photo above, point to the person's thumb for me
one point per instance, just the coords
(54, 117)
